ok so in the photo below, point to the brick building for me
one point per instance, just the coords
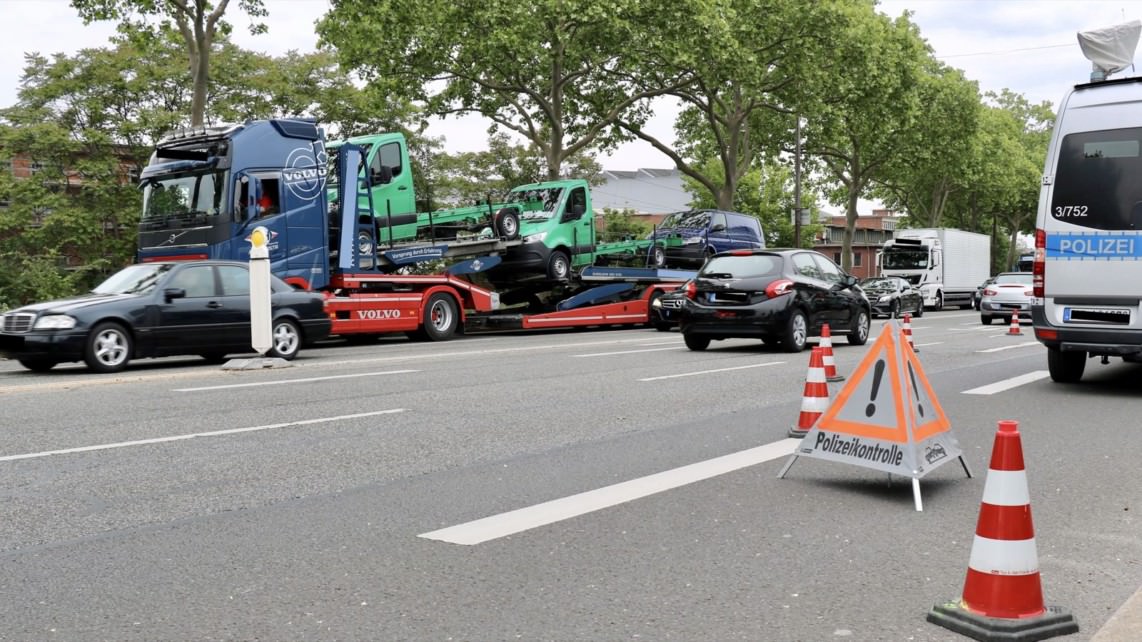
(869, 236)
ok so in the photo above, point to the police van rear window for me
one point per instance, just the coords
(1096, 182)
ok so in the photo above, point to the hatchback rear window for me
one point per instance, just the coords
(742, 267)
(1096, 182)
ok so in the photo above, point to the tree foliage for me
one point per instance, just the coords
(554, 72)
(198, 22)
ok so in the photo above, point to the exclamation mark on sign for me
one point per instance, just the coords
(877, 374)
(915, 390)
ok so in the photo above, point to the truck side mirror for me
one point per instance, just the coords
(383, 175)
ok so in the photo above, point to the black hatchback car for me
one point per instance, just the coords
(160, 309)
(781, 296)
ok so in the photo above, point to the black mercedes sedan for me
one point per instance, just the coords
(160, 309)
(782, 297)
(892, 296)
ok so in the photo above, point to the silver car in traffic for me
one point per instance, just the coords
(1010, 293)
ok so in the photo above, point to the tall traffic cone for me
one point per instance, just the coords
(907, 331)
(1002, 597)
(1014, 328)
(827, 348)
(815, 399)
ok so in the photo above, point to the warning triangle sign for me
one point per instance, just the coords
(886, 417)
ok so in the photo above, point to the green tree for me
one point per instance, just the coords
(554, 72)
(745, 90)
(933, 164)
(198, 22)
(618, 225)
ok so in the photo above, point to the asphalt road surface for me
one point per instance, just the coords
(593, 485)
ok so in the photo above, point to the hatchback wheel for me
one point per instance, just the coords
(695, 342)
(858, 335)
(108, 348)
(286, 339)
(797, 332)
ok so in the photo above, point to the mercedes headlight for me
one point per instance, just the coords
(885, 299)
(535, 238)
(55, 322)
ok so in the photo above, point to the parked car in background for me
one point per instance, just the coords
(1010, 293)
(666, 309)
(892, 296)
(782, 297)
(979, 293)
(160, 309)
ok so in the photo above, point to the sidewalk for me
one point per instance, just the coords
(1126, 623)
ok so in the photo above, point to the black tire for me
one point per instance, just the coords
(507, 223)
(213, 357)
(858, 334)
(439, 319)
(1065, 367)
(796, 332)
(695, 342)
(920, 308)
(366, 247)
(894, 310)
(285, 340)
(38, 365)
(109, 347)
(559, 266)
(657, 257)
(985, 319)
(939, 302)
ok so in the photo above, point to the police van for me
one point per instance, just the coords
(1087, 270)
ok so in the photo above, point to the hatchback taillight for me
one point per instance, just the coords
(990, 291)
(778, 287)
(691, 290)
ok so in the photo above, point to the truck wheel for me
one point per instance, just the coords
(939, 302)
(1065, 367)
(695, 342)
(285, 340)
(858, 336)
(797, 332)
(507, 223)
(109, 348)
(365, 248)
(559, 266)
(440, 318)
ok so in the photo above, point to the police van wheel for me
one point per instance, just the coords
(1065, 367)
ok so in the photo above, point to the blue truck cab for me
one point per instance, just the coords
(206, 188)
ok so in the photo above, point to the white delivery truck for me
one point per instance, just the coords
(946, 264)
(1087, 272)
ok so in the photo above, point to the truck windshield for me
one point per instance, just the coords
(905, 259)
(184, 200)
(537, 203)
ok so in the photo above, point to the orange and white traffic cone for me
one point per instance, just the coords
(1003, 597)
(1014, 328)
(907, 331)
(815, 399)
(827, 348)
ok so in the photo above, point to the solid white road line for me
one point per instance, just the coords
(702, 372)
(287, 381)
(212, 433)
(1008, 384)
(930, 343)
(608, 354)
(1011, 347)
(516, 521)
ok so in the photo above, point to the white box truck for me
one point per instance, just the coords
(946, 264)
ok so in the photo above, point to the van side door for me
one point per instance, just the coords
(578, 227)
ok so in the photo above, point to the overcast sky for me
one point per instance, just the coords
(1027, 46)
